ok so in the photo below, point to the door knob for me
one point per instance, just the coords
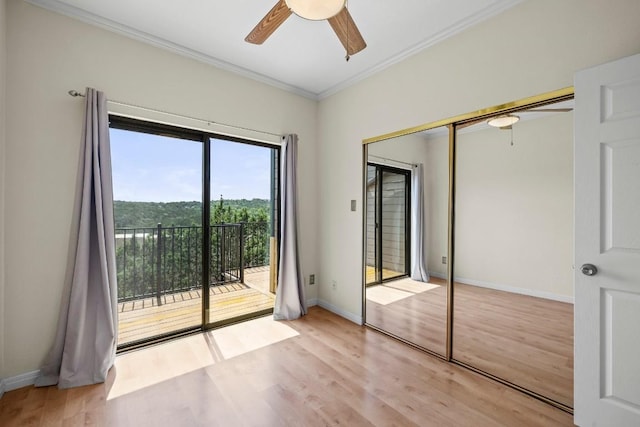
(589, 269)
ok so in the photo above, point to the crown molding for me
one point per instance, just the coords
(90, 18)
(107, 24)
(457, 28)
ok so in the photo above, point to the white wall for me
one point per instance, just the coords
(48, 55)
(514, 207)
(533, 48)
(3, 65)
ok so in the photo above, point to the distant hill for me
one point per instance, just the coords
(149, 214)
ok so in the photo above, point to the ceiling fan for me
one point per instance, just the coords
(334, 11)
(506, 121)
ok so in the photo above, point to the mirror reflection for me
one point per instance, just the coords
(513, 288)
(406, 232)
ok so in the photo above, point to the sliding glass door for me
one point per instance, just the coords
(388, 223)
(243, 187)
(196, 221)
(157, 182)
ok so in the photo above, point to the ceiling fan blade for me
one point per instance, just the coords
(347, 32)
(272, 20)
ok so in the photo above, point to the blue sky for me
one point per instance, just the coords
(151, 168)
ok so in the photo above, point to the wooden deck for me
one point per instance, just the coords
(144, 318)
(386, 274)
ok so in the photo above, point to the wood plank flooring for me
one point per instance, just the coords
(525, 340)
(324, 371)
(522, 339)
(420, 318)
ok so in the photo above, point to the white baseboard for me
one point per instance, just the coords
(515, 290)
(19, 381)
(438, 275)
(340, 312)
(312, 301)
(2, 388)
(507, 288)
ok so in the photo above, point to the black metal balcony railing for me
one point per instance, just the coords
(154, 261)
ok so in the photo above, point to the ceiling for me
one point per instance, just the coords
(302, 56)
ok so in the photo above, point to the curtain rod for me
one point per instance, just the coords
(392, 160)
(75, 93)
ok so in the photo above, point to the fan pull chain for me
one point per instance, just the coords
(347, 57)
(512, 135)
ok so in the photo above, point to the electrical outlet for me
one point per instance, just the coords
(312, 279)
(444, 259)
(334, 284)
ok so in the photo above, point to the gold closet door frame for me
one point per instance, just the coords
(454, 123)
(483, 114)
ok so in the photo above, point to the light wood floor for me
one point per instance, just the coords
(522, 339)
(525, 340)
(144, 318)
(420, 318)
(320, 370)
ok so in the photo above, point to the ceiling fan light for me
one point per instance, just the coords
(503, 121)
(316, 10)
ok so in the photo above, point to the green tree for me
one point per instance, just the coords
(179, 254)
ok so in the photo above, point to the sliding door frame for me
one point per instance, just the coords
(274, 246)
(379, 219)
(160, 129)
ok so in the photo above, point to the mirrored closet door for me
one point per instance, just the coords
(513, 289)
(406, 220)
(480, 270)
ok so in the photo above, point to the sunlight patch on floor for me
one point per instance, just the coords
(143, 368)
(241, 338)
(397, 290)
(412, 286)
(384, 295)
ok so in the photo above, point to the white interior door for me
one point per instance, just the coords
(607, 235)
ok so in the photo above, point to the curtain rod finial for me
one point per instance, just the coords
(74, 93)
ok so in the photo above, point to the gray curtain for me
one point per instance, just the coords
(418, 249)
(291, 301)
(85, 342)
